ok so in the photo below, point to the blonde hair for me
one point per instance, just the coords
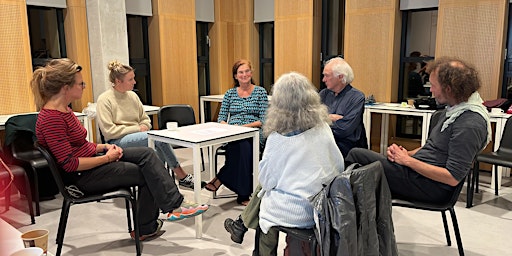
(296, 106)
(48, 80)
(117, 71)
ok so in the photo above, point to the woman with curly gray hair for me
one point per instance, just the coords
(300, 155)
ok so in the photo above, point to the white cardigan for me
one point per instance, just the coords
(292, 170)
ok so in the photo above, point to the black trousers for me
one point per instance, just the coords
(236, 174)
(139, 166)
(404, 183)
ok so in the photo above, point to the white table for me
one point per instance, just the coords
(82, 117)
(207, 135)
(387, 109)
(213, 98)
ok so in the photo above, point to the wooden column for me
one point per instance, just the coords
(16, 60)
(173, 53)
(77, 45)
(297, 38)
(475, 31)
(372, 46)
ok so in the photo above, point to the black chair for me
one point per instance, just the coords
(182, 114)
(307, 235)
(440, 207)
(71, 198)
(501, 157)
(21, 180)
(19, 139)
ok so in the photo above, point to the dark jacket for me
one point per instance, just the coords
(354, 214)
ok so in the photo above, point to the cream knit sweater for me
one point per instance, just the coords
(120, 114)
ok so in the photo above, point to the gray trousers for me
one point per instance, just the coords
(141, 167)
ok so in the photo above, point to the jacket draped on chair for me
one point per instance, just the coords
(353, 214)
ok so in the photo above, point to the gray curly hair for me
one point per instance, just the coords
(295, 106)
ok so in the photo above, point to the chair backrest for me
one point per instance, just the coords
(181, 113)
(54, 168)
(20, 123)
(506, 138)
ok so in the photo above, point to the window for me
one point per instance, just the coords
(417, 47)
(203, 63)
(139, 55)
(506, 91)
(333, 20)
(266, 31)
(46, 32)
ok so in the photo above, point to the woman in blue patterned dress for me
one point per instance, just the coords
(244, 104)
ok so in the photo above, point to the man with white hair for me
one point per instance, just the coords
(345, 104)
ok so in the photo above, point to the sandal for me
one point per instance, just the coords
(213, 185)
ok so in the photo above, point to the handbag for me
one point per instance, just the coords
(5, 168)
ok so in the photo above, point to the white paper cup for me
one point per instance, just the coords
(496, 110)
(31, 251)
(172, 126)
(36, 238)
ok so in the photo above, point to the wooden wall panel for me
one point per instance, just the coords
(233, 36)
(372, 40)
(296, 38)
(173, 53)
(77, 45)
(16, 64)
(475, 31)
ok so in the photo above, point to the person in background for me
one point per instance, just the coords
(345, 104)
(300, 156)
(431, 172)
(415, 80)
(123, 122)
(96, 168)
(244, 104)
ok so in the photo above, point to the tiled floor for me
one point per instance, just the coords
(100, 228)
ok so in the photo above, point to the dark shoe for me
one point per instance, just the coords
(188, 182)
(151, 235)
(213, 185)
(236, 228)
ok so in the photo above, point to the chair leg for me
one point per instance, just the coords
(62, 225)
(446, 230)
(36, 191)
(128, 217)
(202, 159)
(472, 184)
(133, 202)
(29, 199)
(495, 170)
(457, 232)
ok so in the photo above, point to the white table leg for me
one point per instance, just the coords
(255, 159)
(367, 121)
(196, 156)
(201, 109)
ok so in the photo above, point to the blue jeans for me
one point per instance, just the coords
(140, 139)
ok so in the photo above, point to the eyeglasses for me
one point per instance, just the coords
(82, 84)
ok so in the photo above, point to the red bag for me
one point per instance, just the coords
(497, 103)
(5, 168)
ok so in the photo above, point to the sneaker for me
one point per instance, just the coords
(187, 210)
(154, 234)
(236, 228)
(188, 182)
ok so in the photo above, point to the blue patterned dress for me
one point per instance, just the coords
(236, 174)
